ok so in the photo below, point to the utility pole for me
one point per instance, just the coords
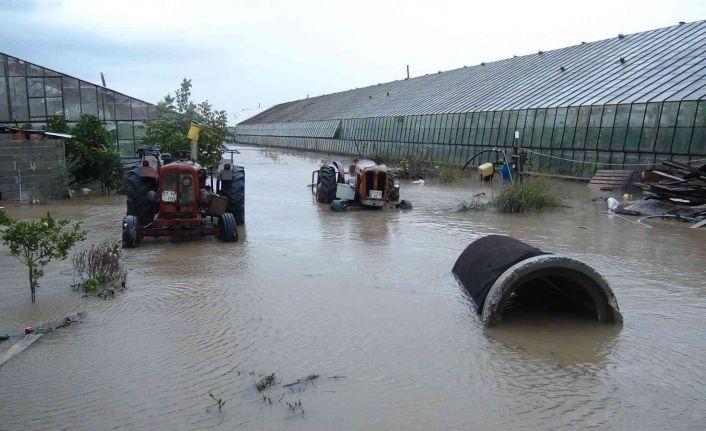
(408, 71)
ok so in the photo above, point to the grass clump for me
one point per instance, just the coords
(524, 196)
(448, 174)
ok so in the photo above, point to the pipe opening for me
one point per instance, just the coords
(554, 295)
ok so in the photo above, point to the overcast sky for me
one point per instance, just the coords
(241, 54)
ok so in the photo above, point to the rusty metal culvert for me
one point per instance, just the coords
(502, 275)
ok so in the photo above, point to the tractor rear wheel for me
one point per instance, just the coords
(234, 190)
(226, 228)
(326, 186)
(137, 203)
(129, 232)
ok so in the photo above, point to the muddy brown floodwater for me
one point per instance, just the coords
(368, 295)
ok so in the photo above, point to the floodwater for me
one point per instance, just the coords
(367, 296)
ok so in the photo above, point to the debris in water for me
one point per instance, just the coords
(265, 382)
(305, 380)
(220, 402)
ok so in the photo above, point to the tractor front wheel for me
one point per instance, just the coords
(226, 228)
(234, 190)
(129, 232)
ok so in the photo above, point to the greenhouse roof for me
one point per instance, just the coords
(658, 65)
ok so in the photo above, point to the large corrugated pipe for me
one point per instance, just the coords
(503, 274)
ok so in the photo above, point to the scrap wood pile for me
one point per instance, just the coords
(684, 184)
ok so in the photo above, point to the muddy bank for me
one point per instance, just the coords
(368, 295)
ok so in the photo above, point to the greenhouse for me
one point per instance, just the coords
(30, 95)
(624, 102)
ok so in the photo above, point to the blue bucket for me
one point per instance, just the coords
(505, 172)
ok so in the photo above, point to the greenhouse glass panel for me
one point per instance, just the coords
(668, 118)
(698, 142)
(122, 107)
(139, 110)
(4, 107)
(682, 136)
(89, 99)
(652, 115)
(34, 70)
(608, 119)
(55, 107)
(37, 108)
(622, 116)
(701, 114)
(584, 114)
(18, 99)
(560, 120)
(72, 103)
(16, 67)
(687, 112)
(617, 140)
(664, 139)
(125, 130)
(632, 139)
(637, 115)
(595, 116)
(52, 87)
(35, 87)
(647, 141)
(572, 114)
(592, 138)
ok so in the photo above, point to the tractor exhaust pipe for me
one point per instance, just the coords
(503, 275)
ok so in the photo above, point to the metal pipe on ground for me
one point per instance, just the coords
(503, 275)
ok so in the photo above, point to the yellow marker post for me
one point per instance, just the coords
(193, 136)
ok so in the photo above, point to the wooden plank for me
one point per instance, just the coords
(18, 347)
(698, 225)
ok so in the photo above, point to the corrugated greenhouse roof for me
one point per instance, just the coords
(657, 65)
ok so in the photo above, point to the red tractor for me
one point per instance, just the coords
(175, 199)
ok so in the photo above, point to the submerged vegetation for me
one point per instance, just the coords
(528, 195)
(100, 268)
(516, 197)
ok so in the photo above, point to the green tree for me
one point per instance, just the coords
(90, 154)
(36, 243)
(174, 116)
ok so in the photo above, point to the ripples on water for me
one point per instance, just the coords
(368, 295)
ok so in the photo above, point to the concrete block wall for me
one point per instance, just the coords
(39, 162)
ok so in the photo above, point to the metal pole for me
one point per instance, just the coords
(194, 150)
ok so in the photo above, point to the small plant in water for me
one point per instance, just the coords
(101, 268)
(476, 203)
(220, 402)
(265, 382)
